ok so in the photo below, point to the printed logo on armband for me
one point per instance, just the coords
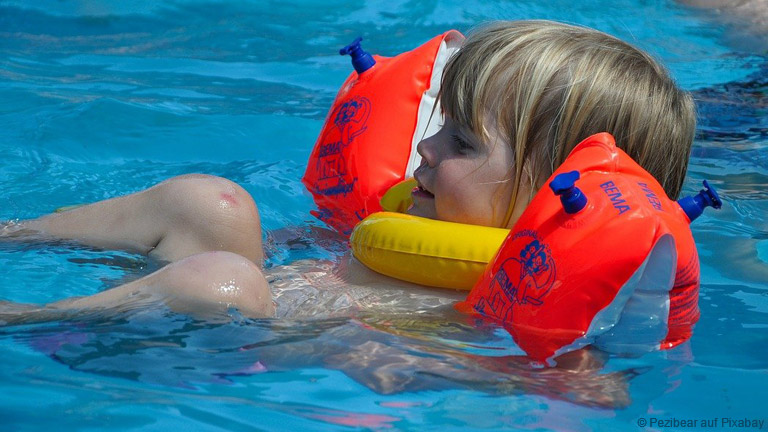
(653, 200)
(524, 279)
(350, 120)
(616, 197)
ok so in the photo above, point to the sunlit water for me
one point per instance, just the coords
(100, 99)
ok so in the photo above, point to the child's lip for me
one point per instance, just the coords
(422, 193)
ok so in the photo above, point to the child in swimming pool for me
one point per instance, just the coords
(516, 98)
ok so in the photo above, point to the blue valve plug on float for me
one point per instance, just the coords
(693, 206)
(361, 59)
(564, 186)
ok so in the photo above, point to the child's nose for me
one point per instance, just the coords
(426, 149)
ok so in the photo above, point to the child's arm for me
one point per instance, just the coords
(177, 218)
(204, 285)
(391, 369)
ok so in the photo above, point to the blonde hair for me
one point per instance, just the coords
(545, 86)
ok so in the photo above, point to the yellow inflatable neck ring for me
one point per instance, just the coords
(423, 251)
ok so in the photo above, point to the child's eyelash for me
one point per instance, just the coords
(463, 145)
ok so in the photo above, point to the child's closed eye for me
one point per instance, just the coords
(462, 145)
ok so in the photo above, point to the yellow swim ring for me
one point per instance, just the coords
(423, 251)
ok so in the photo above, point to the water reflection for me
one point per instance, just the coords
(730, 150)
(389, 355)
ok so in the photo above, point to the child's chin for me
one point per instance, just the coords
(420, 212)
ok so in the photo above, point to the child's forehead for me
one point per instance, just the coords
(463, 129)
(458, 123)
(482, 124)
(483, 129)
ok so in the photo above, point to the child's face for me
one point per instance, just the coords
(463, 179)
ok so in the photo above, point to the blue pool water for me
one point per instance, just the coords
(99, 99)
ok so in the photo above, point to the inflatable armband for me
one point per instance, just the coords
(600, 257)
(368, 141)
